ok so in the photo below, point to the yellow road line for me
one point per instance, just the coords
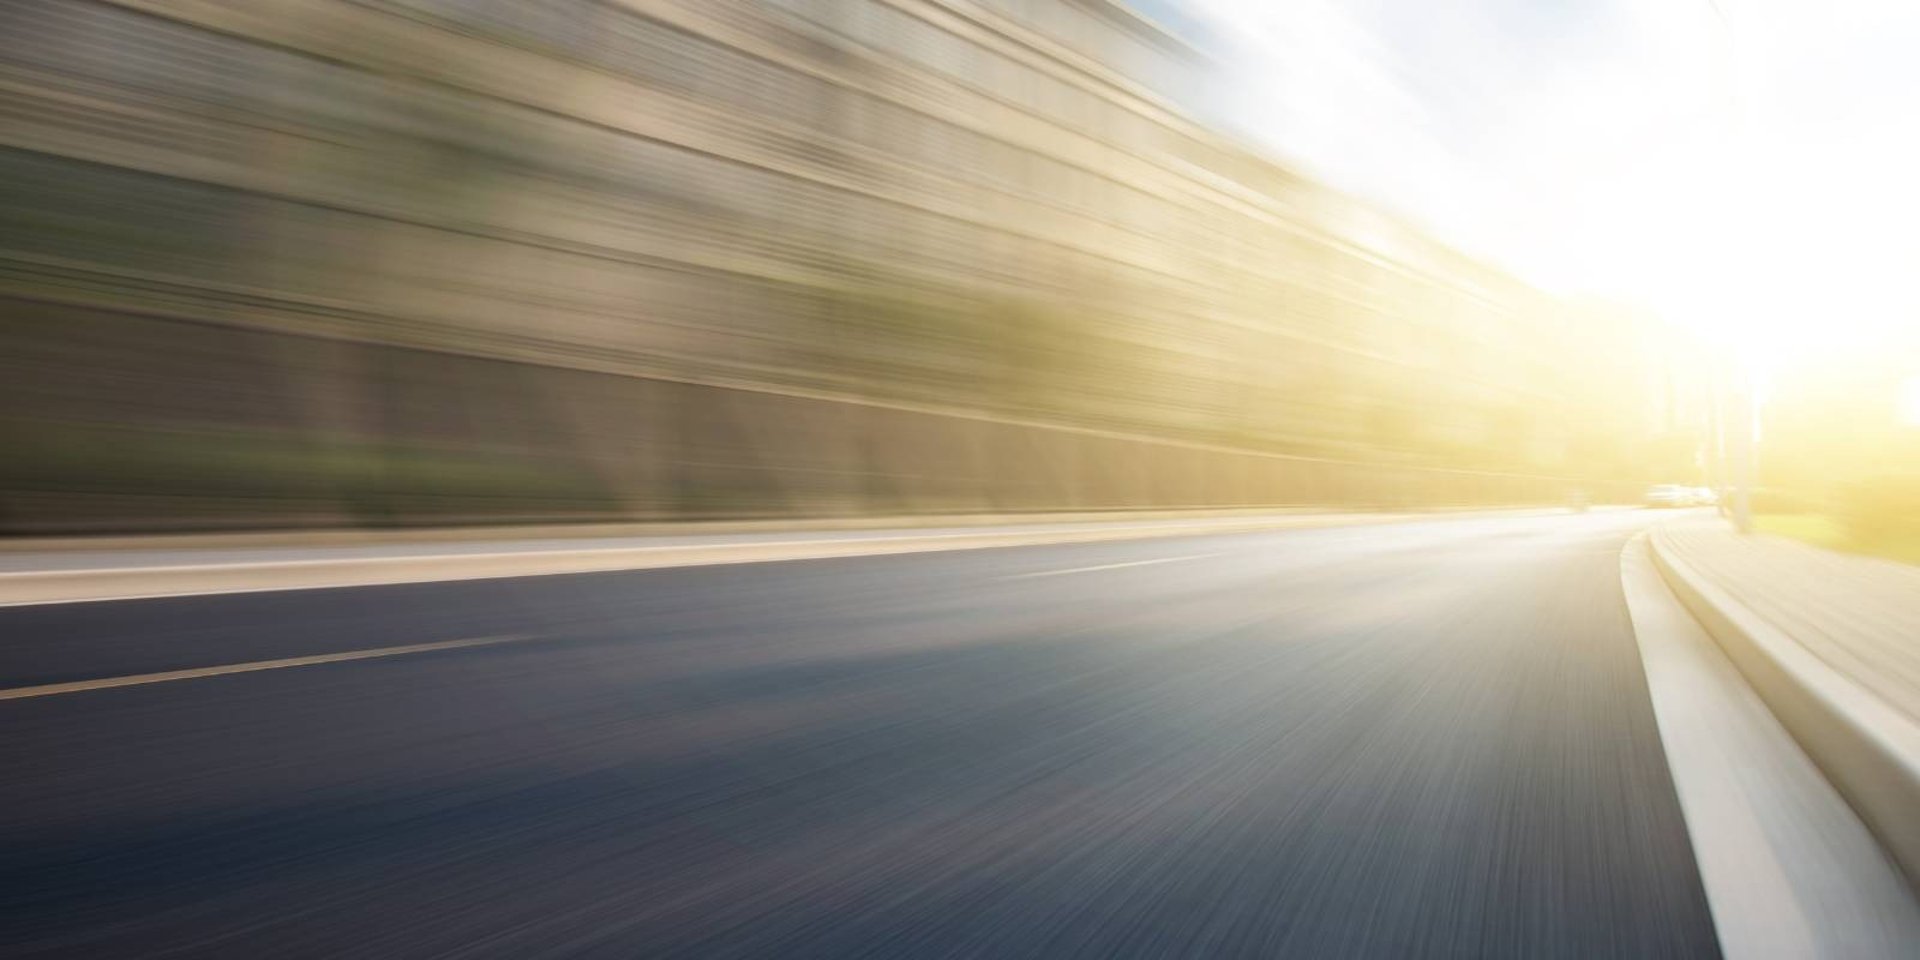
(77, 686)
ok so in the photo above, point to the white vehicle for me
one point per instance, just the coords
(1665, 495)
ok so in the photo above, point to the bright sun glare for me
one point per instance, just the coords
(1743, 168)
(1777, 227)
(1910, 401)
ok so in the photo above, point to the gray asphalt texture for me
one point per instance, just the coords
(1427, 739)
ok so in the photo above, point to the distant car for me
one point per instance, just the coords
(1666, 495)
(1705, 497)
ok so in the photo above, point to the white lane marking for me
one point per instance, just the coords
(52, 689)
(1109, 566)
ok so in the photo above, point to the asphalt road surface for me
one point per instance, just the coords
(1423, 739)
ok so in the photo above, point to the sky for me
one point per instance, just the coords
(1747, 169)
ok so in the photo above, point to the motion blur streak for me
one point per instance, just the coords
(315, 262)
(1427, 739)
(1253, 574)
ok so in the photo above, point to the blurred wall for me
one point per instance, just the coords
(316, 262)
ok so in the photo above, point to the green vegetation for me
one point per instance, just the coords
(1877, 515)
(1881, 506)
(262, 474)
(1822, 530)
(1784, 502)
(916, 338)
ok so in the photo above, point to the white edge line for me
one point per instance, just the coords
(353, 569)
(639, 549)
(353, 573)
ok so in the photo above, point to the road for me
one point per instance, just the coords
(1423, 739)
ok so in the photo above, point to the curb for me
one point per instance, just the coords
(1869, 751)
